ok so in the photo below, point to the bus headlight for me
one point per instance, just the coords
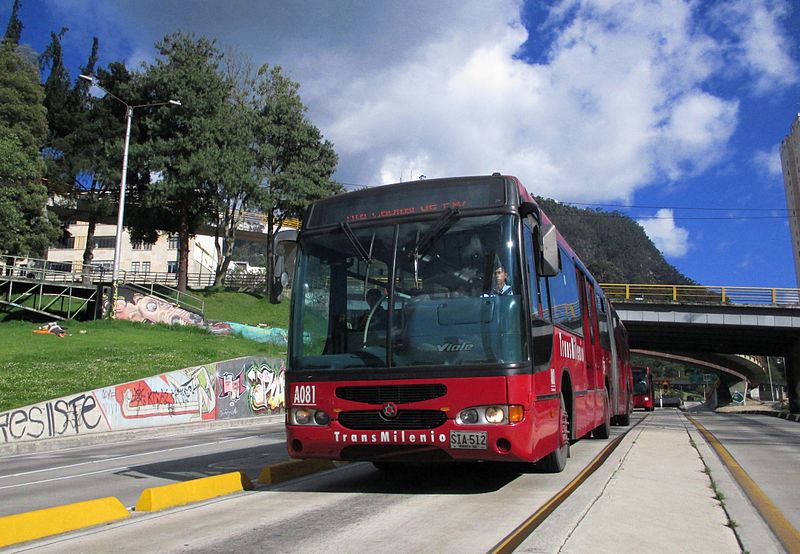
(490, 415)
(309, 416)
(494, 414)
(469, 417)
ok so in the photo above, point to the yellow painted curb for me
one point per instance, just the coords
(292, 469)
(178, 494)
(60, 519)
(786, 533)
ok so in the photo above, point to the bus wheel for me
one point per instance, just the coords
(556, 461)
(603, 431)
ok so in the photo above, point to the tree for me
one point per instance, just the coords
(57, 98)
(183, 146)
(86, 136)
(238, 186)
(630, 258)
(293, 161)
(14, 27)
(27, 228)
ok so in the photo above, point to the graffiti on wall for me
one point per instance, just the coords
(131, 305)
(187, 392)
(234, 388)
(250, 387)
(266, 387)
(72, 415)
(135, 306)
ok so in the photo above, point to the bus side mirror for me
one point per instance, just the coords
(285, 249)
(529, 209)
(549, 263)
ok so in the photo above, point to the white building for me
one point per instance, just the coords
(135, 259)
(158, 261)
(790, 164)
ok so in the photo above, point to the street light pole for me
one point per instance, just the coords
(123, 180)
(122, 188)
(771, 388)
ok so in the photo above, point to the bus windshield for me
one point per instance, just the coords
(443, 291)
(641, 383)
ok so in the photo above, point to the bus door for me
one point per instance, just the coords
(594, 353)
(608, 345)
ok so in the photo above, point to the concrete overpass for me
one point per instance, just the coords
(714, 321)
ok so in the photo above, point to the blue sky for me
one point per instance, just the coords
(670, 111)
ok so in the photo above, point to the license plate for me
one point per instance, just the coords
(470, 440)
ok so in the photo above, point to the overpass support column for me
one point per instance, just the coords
(793, 378)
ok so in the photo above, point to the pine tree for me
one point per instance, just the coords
(27, 229)
(14, 27)
(182, 146)
(294, 161)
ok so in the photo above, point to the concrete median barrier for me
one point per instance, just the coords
(38, 524)
(178, 494)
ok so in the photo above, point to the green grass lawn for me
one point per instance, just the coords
(244, 307)
(35, 367)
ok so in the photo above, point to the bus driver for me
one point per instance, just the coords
(499, 285)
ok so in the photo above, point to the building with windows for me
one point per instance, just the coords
(138, 259)
(790, 165)
(157, 262)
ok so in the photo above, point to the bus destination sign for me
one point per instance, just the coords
(408, 199)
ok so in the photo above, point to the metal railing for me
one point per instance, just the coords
(699, 294)
(171, 295)
(238, 280)
(35, 269)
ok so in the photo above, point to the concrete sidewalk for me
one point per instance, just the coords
(654, 494)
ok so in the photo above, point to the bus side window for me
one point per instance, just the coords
(530, 262)
(542, 291)
(544, 298)
(586, 301)
(565, 297)
(602, 319)
(541, 325)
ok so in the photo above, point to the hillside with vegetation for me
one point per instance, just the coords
(614, 247)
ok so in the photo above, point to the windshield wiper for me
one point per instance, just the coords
(427, 240)
(359, 248)
(437, 230)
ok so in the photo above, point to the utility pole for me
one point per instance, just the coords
(771, 388)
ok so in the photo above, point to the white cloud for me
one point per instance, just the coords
(761, 48)
(769, 161)
(619, 104)
(619, 99)
(670, 239)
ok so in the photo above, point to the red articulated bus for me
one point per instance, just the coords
(643, 389)
(445, 320)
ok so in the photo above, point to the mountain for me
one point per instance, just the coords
(614, 247)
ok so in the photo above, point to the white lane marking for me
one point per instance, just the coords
(173, 449)
(28, 483)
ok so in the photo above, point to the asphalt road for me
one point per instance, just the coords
(353, 507)
(125, 468)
